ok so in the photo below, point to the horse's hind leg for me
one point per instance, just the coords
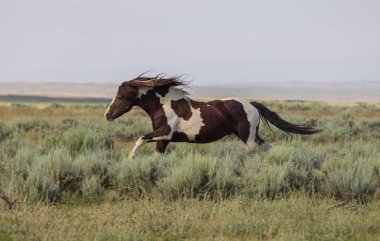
(259, 141)
(262, 144)
(247, 134)
(253, 139)
(247, 127)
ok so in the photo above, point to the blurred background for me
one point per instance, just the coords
(289, 49)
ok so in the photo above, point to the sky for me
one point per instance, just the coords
(212, 42)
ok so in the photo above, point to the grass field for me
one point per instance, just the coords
(64, 175)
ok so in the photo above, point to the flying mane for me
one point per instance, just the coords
(159, 81)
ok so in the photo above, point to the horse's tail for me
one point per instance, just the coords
(268, 115)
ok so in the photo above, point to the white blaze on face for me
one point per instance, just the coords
(108, 108)
(190, 127)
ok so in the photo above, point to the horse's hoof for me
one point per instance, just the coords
(131, 156)
(266, 147)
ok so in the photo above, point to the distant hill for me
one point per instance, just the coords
(86, 92)
(31, 98)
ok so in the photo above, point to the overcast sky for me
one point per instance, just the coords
(214, 42)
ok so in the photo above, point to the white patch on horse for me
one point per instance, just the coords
(137, 146)
(142, 91)
(172, 120)
(173, 94)
(190, 127)
(109, 107)
(253, 118)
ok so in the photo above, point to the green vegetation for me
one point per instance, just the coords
(68, 170)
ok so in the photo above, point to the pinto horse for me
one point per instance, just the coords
(178, 118)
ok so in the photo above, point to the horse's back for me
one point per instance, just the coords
(238, 108)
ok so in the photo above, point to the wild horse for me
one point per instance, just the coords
(177, 118)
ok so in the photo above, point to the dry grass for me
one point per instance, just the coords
(294, 218)
(67, 168)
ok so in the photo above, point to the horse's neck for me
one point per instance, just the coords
(153, 105)
(173, 94)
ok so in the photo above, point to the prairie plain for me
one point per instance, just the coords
(64, 175)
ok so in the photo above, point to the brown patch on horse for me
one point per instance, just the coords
(161, 146)
(161, 131)
(239, 116)
(180, 137)
(128, 91)
(215, 117)
(162, 90)
(181, 108)
(150, 103)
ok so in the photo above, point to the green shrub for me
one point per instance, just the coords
(80, 141)
(285, 168)
(194, 177)
(267, 182)
(5, 132)
(33, 124)
(127, 175)
(356, 180)
(91, 187)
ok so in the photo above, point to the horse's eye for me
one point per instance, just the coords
(119, 97)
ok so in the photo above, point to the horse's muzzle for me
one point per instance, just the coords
(108, 116)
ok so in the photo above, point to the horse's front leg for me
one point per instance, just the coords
(161, 134)
(161, 147)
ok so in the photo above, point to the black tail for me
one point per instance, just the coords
(268, 115)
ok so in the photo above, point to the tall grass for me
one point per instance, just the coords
(85, 158)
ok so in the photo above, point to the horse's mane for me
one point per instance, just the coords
(158, 81)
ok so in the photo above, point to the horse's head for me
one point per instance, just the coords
(123, 102)
(128, 92)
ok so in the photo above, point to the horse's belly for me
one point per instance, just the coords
(197, 131)
(212, 134)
